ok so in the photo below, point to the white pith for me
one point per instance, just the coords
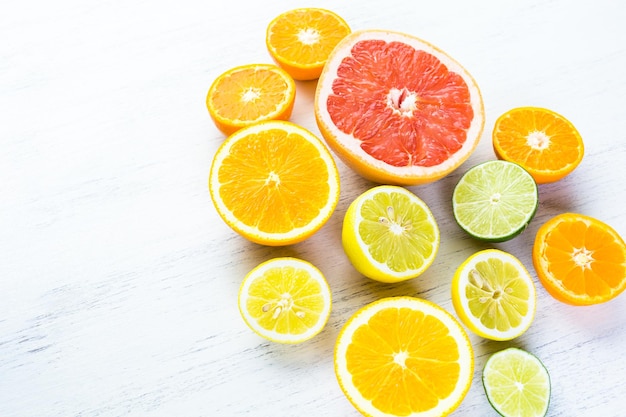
(308, 36)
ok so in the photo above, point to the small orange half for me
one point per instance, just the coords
(245, 95)
(580, 260)
(301, 40)
(544, 142)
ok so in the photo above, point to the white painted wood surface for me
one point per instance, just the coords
(118, 281)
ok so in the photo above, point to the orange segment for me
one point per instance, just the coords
(300, 40)
(545, 143)
(275, 182)
(403, 356)
(249, 94)
(580, 260)
(397, 109)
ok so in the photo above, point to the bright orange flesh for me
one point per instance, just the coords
(274, 182)
(580, 260)
(397, 109)
(431, 369)
(546, 144)
(403, 356)
(249, 94)
(301, 40)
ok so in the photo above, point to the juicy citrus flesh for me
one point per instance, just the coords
(517, 384)
(248, 94)
(544, 142)
(495, 200)
(285, 300)
(300, 40)
(494, 295)
(275, 183)
(403, 356)
(397, 109)
(579, 259)
(389, 234)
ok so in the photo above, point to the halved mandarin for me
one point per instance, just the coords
(248, 94)
(300, 40)
(580, 260)
(544, 142)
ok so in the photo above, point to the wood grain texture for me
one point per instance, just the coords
(118, 281)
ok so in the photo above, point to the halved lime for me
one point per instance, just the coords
(494, 201)
(389, 234)
(517, 384)
(494, 295)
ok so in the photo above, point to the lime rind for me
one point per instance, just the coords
(517, 383)
(495, 201)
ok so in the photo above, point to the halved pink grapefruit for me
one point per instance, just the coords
(397, 109)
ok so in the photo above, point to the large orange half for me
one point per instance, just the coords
(275, 183)
(397, 109)
(403, 356)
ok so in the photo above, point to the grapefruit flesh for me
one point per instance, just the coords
(397, 109)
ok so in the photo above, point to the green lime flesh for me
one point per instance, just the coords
(495, 200)
(517, 384)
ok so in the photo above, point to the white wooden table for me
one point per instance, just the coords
(118, 280)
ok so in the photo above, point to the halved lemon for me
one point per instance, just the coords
(389, 234)
(285, 300)
(494, 295)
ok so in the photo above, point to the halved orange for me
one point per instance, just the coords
(403, 356)
(580, 260)
(248, 94)
(274, 182)
(542, 141)
(397, 109)
(300, 40)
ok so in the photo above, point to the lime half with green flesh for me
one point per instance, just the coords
(389, 234)
(494, 295)
(517, 384)
(495, 200)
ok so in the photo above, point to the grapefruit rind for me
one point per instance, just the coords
(349, 149)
